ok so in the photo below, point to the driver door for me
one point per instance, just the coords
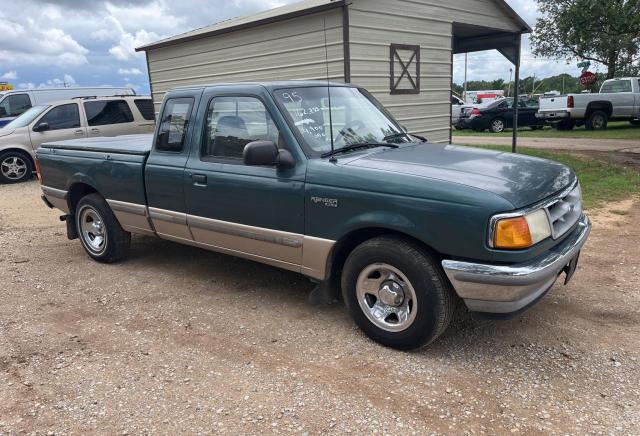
(65, 121)
(252, 210)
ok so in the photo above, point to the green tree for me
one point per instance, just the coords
(607, 32)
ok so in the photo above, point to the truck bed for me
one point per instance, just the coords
(126, 144)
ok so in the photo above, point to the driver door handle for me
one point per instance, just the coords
(79, 132)
(199, 179)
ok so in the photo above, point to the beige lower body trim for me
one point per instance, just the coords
(170, 223)
(132, 217)
(292, 251)
(57, 197)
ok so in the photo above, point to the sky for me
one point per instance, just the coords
(91, 43)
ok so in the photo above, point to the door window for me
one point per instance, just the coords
(66, 116)
(103, 112)
(15, 105)
(233, 122)
(145, 106)
(173, 125)
(616, 86)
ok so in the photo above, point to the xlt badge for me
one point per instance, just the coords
(324, 201)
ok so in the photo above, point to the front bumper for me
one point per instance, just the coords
(510, 289)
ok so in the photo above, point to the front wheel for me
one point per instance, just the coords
(397, 293)
(100, 233)
(15, 167)
(497, 125)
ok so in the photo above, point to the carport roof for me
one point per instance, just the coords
(305, 7)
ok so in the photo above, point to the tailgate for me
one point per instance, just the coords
(553, 104)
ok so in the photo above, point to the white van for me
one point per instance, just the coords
(16, 102)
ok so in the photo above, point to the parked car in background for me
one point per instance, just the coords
(15, 103)
(498, 116)
(458, 109)
(261, 171)
(618, 99)
(84, 117)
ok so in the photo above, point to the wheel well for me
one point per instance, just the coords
(347, 243)
(24, 152)
(603, 106)
(76, 192)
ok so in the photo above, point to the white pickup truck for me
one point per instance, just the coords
(618, 99)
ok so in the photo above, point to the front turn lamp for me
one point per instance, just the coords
(521, 231)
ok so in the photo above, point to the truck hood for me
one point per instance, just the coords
(521, 180)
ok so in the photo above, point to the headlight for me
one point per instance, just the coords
(521, 231)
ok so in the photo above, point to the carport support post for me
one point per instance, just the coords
(514, 140)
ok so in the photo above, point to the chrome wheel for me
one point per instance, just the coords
(13, 167)
(497, 125)
(386, 297)
(92, 229)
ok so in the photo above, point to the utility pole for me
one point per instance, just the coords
(509, 88)
(563, 84)
(464, 94)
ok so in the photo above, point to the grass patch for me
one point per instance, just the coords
(619, 212)
(601, 181)
(615, 130)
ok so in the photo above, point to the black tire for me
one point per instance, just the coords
(497, 125)
(635, 122)
(15, 166)
(115, 241)
(597, 120)
(434, 299)
(565, 125)
(537, 127)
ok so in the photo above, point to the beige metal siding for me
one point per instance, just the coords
(292, 49)
(375, 24)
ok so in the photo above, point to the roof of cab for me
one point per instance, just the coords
(269, 85)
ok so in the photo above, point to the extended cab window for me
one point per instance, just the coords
(100, 113)
(616, 86)
(232, 123)
(173, 125)
(66, 116)
(14, 105)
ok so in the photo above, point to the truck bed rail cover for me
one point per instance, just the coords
(126, 144)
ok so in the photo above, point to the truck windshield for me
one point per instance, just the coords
(26, 118)
(355, 116)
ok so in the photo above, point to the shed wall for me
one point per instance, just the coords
(375, 24)
(292, 49)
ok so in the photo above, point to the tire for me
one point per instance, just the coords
(497, 125)
(565, 125)
(635, 122)
(413, 276)
(537, 127)
(597, 120)
(100, 233)
(15, 167)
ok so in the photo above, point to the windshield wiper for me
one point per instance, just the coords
(399, 134)
(357, 146)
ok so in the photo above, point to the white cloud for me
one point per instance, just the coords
(125, 49)
(9, 75)
(129, 71)
(66, 81)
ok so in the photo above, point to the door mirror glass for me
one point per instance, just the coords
(41, 127)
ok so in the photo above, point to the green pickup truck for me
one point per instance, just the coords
(319, 179)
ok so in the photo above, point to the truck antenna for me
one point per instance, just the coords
(326, 61)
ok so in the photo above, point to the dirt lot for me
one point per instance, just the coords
(180, 340)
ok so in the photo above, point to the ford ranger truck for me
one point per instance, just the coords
(320, 179)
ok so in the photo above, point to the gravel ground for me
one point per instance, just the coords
(179, 340)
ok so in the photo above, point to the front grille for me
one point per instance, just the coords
(565, 212)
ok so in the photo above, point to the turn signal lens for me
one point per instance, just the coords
(512, 233)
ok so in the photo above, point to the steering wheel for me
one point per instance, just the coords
(353, 127)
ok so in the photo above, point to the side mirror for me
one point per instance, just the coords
(3, 112)
(41, 127)
(266, 153)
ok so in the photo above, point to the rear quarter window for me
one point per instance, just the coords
(145, 106)
(103, 112)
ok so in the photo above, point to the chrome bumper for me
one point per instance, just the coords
(552, 115)
(504, 289)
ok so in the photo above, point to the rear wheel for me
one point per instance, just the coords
(397, 293)
(635, 122)
(497, 125)
(15, 167)
(100, 232)
(597, 120)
